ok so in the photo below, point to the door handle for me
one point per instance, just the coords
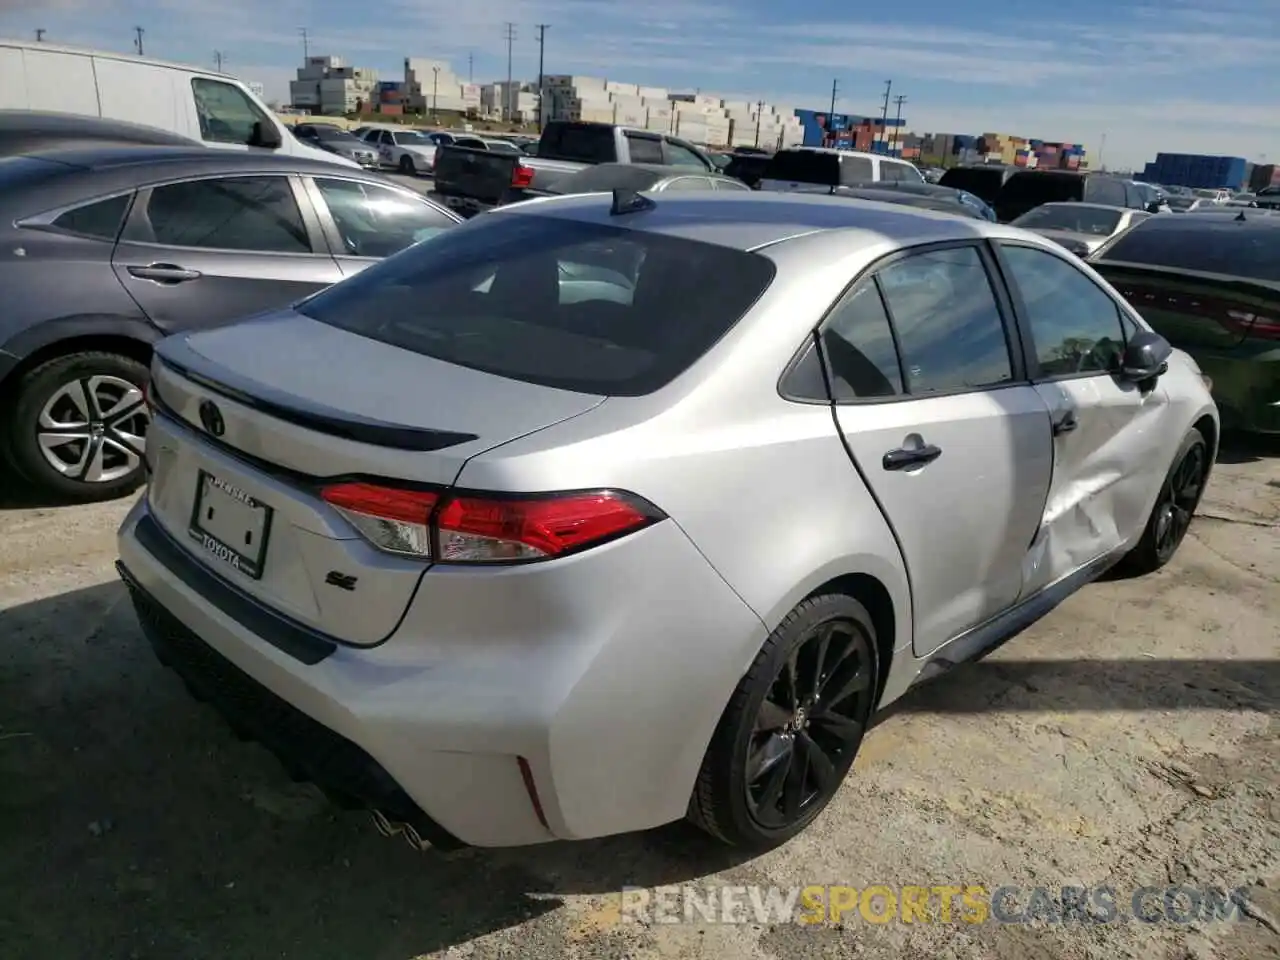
(903, 458)
(1065, 424)
(164, 273)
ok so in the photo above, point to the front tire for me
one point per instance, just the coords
(406, 165)
(792, 728)
(1175, 506)
(78, 426)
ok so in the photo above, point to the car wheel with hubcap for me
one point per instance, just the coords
(79, 424)
(792, 728)
(1175, 506)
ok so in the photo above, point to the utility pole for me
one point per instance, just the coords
(884, 116)
(509, 34)
(435, 94)
(40, 32)
(759, 111)
(217, 59)
(897, 120)
(542, 47)
(137, 40)
(471, 67)
(1102, 149)
(306, 45)
(835, 85)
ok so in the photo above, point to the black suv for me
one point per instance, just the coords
(1027, 189)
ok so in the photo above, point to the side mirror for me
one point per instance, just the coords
(1153, 206)
(1146, 357)
(265, 136)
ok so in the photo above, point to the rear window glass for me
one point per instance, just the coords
(591, 308)
(1040, 188)
(607, 177)
(804, 166)
(984, 183)
(584, 143)
(1207, 244)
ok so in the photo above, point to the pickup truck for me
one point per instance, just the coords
(469, 180)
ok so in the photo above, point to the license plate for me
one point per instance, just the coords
(231, 525)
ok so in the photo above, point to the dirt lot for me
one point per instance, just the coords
(1128, 739)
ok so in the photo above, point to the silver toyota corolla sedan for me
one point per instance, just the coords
(610, 510)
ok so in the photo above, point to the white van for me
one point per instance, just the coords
(819, 169)
(212, 107)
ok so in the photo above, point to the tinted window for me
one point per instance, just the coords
(1108, 191)
(948, 324)
(985, 182)
(1074, 217)
(858, 345)
(1030, 189)
(1209, 244)
(1075, 325)
(804, 166)
(892, 172)
(579, 306)
(501, 146)
(101, 219)
(680, 156)
(856, 169)
(470, 142)
(226, 113)
(374, 221)
(229, 213)
(586, 143)
(644, 149)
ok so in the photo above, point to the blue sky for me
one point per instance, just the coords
(1177, 75)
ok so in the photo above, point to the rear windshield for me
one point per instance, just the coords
(1040, 188)
(1206, 244)
(593, 308)
(985, 183)
(1073, 217)
(805, 166)
(583, 143)
(607, 177)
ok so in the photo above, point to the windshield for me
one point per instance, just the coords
(1209, 244)
(592, 308)
(1075, 217)
(1181, 202)
(335, 136)
(412, 138)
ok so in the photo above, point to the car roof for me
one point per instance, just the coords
(1088, 206)
(45, 47)
(205, 158)
(749, 220)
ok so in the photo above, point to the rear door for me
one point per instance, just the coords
(205, 251)
(365, 222)
(945, 429)
(1107, 458)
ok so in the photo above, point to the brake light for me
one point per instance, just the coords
(1265, 329)
(521, 176)
(487, 529)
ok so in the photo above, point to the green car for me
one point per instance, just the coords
(1209, 283)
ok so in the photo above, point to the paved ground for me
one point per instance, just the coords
(1128, 739)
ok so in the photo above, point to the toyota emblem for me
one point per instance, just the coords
(211, 417)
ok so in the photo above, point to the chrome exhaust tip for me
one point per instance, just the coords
(398, 828)
(386, 827)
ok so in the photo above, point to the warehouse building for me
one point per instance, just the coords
(326, 85)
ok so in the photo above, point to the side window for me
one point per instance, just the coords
(100, 220)
(470, 142)
(644, 149)
(226, 213)
(374, 221)
(386, 139)
(891, 172)
(948, 323)
(858, 345)
(681, 156)
(226, 113)
(1105, 190)
(1075, 325)
(856, 170)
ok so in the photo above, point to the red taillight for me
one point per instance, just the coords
(487, 529)
(521, 176)
(1265, 329)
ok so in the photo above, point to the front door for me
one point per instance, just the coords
(203, 252)
(947, 433)
(1107, 461)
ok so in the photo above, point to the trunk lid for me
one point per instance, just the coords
(243, 444)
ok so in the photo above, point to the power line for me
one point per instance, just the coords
(137, 40)
(893, 137)
(542, 47)
(509, 34)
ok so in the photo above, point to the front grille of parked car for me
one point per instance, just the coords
(307, 749)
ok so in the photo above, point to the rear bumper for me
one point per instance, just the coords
(608, 696)
(1245, 388)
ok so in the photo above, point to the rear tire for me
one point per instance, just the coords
(406, 165)
(1174, 508)
(77, 426)
(792, 727)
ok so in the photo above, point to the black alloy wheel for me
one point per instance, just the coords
(809, 725)
(1178, 501)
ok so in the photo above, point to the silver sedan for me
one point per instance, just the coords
(597, 512)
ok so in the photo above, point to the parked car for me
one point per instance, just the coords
(822, 169)
(117, 247)
(1210, 284)
(409, 151)
(336, 140)
(214, 108)
(984, 180)
(781, 467)
(1269, 197)
(653, 178)
(1185, 203)
(31, 131)
(1155, 199)
(1027, 189)
(1079, 227)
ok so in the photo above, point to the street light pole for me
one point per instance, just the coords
(435, 94)
(542, 46)
(897, 121)
(759, 109)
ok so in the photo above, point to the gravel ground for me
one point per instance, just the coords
(1128, 739)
